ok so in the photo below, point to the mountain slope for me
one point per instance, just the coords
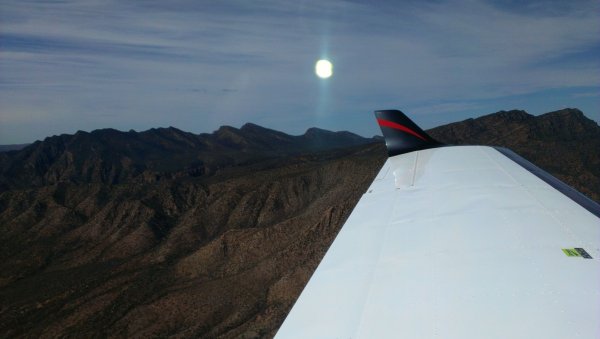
(164, 232)
(126, 236)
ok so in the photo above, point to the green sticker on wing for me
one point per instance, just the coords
(576, 252)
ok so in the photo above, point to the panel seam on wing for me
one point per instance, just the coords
(414, 174)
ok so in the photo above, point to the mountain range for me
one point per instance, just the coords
(169, 233)
(109, 156)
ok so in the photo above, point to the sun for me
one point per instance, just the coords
(324, 69)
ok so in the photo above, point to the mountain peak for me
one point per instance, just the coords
(226, 129)
(573, 113)
(511, 115)
(566, 124)
(567, 110)
(317, 131)
(250, 127)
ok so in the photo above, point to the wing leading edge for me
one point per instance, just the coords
(456, 242)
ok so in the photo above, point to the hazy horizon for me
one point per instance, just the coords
(377, 134)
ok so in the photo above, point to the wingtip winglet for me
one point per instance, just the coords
(401, 134)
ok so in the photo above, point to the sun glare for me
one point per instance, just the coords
(324, 69)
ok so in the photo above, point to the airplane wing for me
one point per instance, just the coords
(456, 242)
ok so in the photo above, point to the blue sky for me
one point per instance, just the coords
(197, 65)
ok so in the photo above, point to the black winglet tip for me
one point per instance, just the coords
(401, 134)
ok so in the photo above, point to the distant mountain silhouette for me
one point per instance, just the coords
(111, 157)
(167, 233)
(13, 147)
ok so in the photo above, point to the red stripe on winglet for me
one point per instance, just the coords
(397, 126)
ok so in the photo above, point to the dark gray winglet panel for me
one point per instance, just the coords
(401, 134)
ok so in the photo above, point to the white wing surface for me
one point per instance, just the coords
(457, 242)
